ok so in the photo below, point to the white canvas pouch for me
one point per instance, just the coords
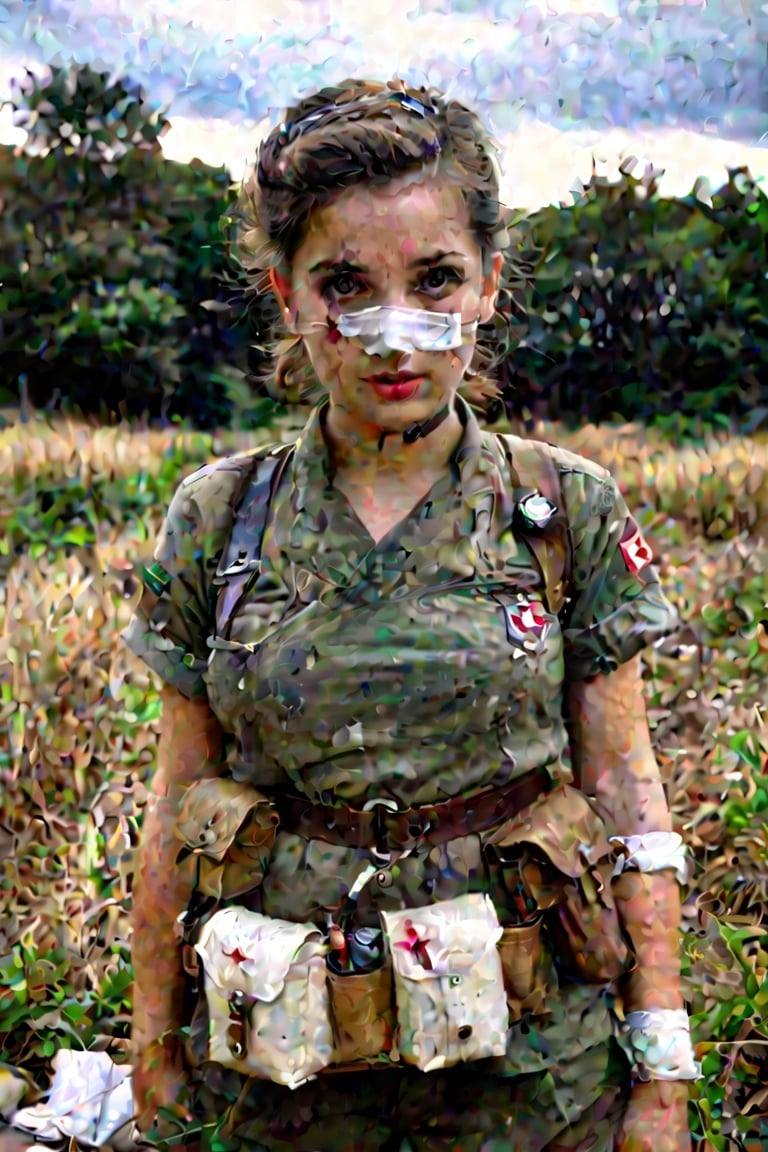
(449, 987)
(265, 987)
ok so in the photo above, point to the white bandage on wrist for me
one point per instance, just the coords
(651, 852)
(658, 1042)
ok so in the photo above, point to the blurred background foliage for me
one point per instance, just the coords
(643, 313)
(117, 296)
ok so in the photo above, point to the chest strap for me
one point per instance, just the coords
(382, 829)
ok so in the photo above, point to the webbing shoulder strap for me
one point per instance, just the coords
(529, 464)
(240, 559)
(532, 468)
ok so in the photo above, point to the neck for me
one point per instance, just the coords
(370, 450)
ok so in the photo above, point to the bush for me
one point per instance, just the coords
(640, 306)
(106, 253)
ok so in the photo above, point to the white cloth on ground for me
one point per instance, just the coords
(90, 1099)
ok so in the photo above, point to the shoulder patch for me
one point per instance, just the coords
(156, 578)
(635, 548)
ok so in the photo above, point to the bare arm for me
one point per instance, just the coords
(614, 762)
(190, 748)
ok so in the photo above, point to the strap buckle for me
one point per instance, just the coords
(379, 805)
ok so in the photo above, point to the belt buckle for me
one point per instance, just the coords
(382, 857)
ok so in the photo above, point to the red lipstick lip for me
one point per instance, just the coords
(398, 388)
(388, 378)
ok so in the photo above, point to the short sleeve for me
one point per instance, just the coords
(616, 606)
(171, 625)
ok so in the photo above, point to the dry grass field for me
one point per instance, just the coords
(78, 717)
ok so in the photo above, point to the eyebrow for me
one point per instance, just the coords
(347, 266)
(435, 258)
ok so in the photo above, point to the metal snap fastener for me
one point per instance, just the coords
(237, 1049)
(455, 980)
(237, 998)
(380, 800)
(384, 879)
(465, 1032)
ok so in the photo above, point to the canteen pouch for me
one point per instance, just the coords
(264, 981)
(362, 1017)
(526, 968)
(449, 992)
(559, 848)
(230, 828)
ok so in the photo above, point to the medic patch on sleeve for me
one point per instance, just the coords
(527, 624)
(635, 548)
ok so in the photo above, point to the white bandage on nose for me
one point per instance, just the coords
(385, 329)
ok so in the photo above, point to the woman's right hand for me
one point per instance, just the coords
(161, 1083)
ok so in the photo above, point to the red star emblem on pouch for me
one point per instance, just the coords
(635, 550)
(238, 956)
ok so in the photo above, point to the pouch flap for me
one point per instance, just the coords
(565, 825)
(228, 879)
(213, 812)
(247, 952)
(443, 939)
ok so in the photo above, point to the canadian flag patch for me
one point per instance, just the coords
(635, 549)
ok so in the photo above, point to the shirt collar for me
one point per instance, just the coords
(471, 461)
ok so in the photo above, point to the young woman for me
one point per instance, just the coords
(400, 649)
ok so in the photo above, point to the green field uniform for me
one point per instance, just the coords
(416, 669)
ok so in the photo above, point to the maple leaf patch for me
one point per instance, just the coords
(635, 549)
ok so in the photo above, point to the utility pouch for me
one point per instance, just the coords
(362, 1016)
(267, 997)
(558, 855)
(449, 992)
(586, 932)
(231, 828)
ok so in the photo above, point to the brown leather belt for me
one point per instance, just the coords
(383, 829)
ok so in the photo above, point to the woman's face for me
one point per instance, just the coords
(408, 244)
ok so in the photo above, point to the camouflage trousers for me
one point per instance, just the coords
(573, 1107)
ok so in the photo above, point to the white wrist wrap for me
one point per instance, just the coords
(658, 1042)
(651, 852)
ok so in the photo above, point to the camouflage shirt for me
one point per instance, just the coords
(415, 669)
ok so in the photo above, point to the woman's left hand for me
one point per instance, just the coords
(657, 1118)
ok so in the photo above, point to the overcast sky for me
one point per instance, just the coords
(684, 85)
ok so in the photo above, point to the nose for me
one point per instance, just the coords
(392, 292)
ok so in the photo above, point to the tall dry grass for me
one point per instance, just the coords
(78, 716)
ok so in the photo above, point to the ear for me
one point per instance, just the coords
(490, 288)
(282, 290)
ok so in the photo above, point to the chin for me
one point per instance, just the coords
(392, 414)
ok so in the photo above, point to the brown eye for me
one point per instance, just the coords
(436, 279)
(343, 284)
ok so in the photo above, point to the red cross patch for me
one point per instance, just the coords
(526, 622)
(635, 550)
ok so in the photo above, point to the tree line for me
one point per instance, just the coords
(118, 296)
